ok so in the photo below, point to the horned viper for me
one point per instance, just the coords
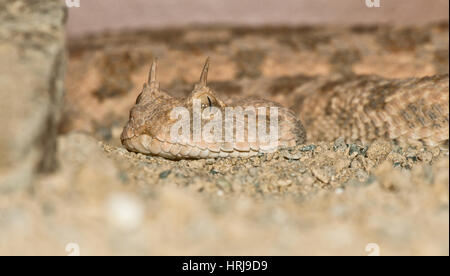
(366, 108)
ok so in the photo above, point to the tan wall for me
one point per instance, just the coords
(97, 15)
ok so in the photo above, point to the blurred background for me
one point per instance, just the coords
(96, 15)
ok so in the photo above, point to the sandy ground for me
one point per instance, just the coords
(319, 199)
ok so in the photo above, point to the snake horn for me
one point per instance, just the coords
(152, 75)
(204, 75)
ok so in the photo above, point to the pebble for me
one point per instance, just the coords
(164, 174)
(213, 172)
(353, 150)
(308, 148)
(292, 156)
(339, 144)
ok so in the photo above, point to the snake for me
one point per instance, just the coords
(365, 108)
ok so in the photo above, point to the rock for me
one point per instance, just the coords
(32, 51)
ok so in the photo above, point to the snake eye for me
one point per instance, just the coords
(209, 102)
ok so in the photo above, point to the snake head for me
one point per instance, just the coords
(149, 107)
(155, 126)
(151, 117)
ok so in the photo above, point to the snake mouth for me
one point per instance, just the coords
(128, 134)
(130, 140)
(152, 146)
(134, 144)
